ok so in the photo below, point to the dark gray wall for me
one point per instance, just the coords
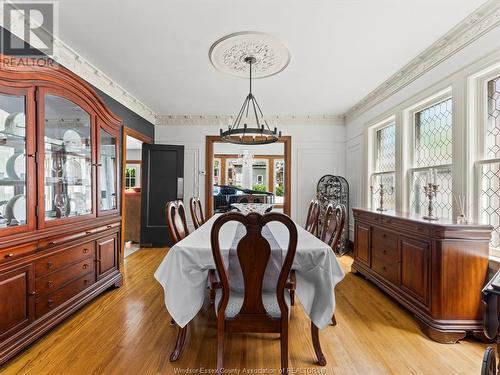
(129, 117)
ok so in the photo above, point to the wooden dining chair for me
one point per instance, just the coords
(196, 212)
(254, 309)
(312, 217)
(176, 220)
(331, 233)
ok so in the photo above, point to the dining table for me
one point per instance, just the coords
(184, 273)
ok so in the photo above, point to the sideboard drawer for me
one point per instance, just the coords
(64, 257)
(55, 280)
(385, 244)
(16, 252)
(387, 268)
(50, 301)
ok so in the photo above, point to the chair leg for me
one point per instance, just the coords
(317, 345)
(292, 297)
(179, 344)
(220, 347)
(334, 321)
(212, 296)
(284, 348)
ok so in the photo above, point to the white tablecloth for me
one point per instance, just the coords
(183, 272)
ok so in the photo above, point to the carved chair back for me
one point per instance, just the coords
(196, 212)
(176, 220)
(253, 252)
(333, 225)
(312, 217)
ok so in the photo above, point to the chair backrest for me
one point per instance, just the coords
(196, 212)
(312, 217)
(176, 220)
(333, 225)
(254, 252)
(251, 199)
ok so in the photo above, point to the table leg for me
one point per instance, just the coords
(179, 344)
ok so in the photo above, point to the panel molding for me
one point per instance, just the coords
(223, 120)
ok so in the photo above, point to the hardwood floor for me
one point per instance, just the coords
(373, 336)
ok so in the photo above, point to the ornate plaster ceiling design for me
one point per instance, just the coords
(228, 54)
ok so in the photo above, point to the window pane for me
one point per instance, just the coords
(490, 200)
(386, 149)
(388, 182)
(493, 125)
(433, 138)
(442, 202)
(279, 181)
(109, 161)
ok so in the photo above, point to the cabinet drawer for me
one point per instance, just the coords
(55, 280)
(388, 269)
(385, 244)
(50, 301)
(63, 258)
(16, 252)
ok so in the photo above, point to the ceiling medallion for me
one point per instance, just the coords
(228, 54)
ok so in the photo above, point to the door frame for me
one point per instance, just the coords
(209, 161)
(144, 139)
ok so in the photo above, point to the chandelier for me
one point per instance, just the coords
(241, 132)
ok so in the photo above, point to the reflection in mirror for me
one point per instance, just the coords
(247, 174)
(68, 158)
(12, 161)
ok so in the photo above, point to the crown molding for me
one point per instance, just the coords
(484, 19)
(224, 120)
(73, 61)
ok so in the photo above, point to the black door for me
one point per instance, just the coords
(162, 181)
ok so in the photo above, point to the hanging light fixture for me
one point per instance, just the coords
(250, 127)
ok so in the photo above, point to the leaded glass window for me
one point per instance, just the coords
(490, 165)
(385, 165)
(432, 158)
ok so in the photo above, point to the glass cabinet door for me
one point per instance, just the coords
(108, 163)
(67, 159)
(13, 161)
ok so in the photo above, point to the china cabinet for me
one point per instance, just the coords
(60, 222)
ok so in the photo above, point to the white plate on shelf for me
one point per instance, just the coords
(72, 171)
(77, 202)
(16, 209)
(72, 140)
(16, 124)
(16, 166)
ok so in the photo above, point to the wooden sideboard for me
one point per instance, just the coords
(434, 269)
(60, 223)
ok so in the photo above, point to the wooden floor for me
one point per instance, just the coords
(127, 331)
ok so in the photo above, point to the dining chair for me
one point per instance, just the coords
(312, 217)
(176, 220)
(196, 212)
(333, 226)
(255, 309)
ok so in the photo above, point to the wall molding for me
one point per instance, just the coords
(75, 62)
(274, 120)
(484, 19)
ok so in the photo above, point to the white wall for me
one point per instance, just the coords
(316, 150)
(442, 74)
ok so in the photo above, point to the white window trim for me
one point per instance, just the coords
(477, 103)
(372, 154)
(408, 128)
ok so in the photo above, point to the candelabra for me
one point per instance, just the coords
(381, 191)
(430, 191)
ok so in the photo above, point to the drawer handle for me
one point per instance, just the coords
(384, 236)
(32, 293)
(86, 282)
(109, 226)
(85, 251)
(50, 264)
(10, 255)
(85, 266)
(50, 283)
(88, 232)
(52, 243)
(384, 268)
(50, 302)
(384, 251)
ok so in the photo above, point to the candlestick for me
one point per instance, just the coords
(430, 191)
(381, 191)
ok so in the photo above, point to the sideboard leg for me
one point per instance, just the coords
(444, 337)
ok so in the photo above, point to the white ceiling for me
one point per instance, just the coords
(340, 49)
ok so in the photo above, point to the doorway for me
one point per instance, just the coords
(255, 169)
(132, 189)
